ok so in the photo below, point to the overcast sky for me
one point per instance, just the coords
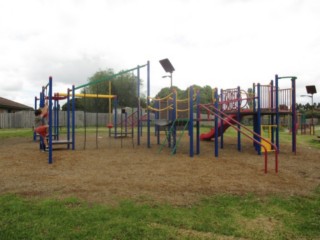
(221, 43)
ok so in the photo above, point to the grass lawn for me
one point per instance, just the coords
(248, 217)
(215, 217)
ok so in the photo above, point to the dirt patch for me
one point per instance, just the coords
(119, 169)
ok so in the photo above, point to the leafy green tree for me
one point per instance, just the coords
(123, 85)
(99, 85)
(78, 105)
(205, 93)
(163, 92)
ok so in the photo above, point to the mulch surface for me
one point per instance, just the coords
(118, 169)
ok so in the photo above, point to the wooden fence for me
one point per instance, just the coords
(25, 119)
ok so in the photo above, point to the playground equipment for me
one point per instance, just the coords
(265, 100)
(227, 109)
(179, 116)
(47, 93)
(304, 126)
(267, 132)
(116, 132)
(53, 119)
(222, 127)
(173, 115)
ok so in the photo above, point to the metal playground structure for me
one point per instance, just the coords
(264, 104)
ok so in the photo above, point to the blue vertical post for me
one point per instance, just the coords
(272, 110)
(55, 106)
(258, 127)
(148, 104)
(115, 107)
(216, 129)
(239, 117)
(73, 117)
(58, 116)
(139, 107)
(254, 110)
(174, 116)
(293, 117)
(41, 105)
(35, 108)
(170, 118)
(68, 116)
(157, 116)
(198, 122)
(190, 124)
(221, 120)
(254, 97)
(50, 120)
(277, 110)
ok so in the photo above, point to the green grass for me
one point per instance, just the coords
(16, 132)
(285, 137)
(305, 140)
(249, 216)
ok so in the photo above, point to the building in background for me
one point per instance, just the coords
(9, 106)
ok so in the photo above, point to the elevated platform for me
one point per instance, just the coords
(61, 142)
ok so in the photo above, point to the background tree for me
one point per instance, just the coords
(123, 85)
(78, 105)
(205, 93)
(164, 92)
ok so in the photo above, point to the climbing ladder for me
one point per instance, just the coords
(172, 132)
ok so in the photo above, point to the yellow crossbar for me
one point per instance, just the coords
(89, 95)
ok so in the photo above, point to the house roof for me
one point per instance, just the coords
(8, 104)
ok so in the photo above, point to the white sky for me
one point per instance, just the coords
(221, 43)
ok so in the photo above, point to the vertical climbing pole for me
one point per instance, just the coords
(73, 117)
(58, 125)
(68, 116)
(35, 108)
(198, 122)
(115, 107)
(277, 111)
(294, 117)
(216, 105)
(239, 117)
(148, 104)
(139, 125)
(293, 110)
(258, 128)
(50, 120)
(41, 105)
(272, 108)
(55, 117)
(191, 121)
(221, 120)
(254, 106)
(157, 116)
(174, 118)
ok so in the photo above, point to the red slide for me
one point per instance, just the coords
(208, 136)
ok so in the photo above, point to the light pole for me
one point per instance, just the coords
(167, 66)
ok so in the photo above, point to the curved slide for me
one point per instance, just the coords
(208, 136)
